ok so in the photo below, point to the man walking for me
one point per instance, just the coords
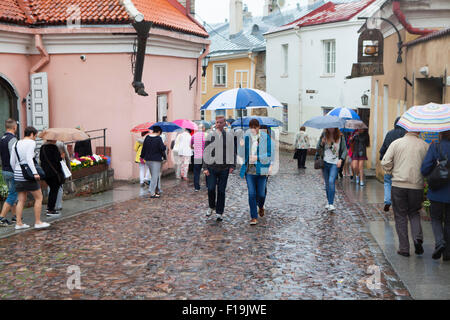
(403, 161)
(396, 133)
(6, 143)
(219, 161)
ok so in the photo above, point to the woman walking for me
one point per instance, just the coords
(153, 152)
(50, 158)
(439, 198)
(360, 142)
(185, 152)
(144, 172)
(23, 153)
(301, 146)
(256, 168)
(332, 150)
(198, 144)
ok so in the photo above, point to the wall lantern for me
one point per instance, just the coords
(205, 62)
(365, 99)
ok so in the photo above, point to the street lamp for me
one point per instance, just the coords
(365, 99)
(205, 62)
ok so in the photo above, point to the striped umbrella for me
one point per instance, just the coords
(241, 98)
(431, 117)
(143, 127)
(345, 113)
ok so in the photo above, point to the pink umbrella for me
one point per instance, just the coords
(186, 124)
(142, 127)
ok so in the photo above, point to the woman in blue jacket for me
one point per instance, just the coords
(439, 198)
(256, 168)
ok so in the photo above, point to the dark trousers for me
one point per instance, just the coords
(217, 180)
(407, 204)
(301, 160)
(54, 185)
(440, 222)
(197, 172)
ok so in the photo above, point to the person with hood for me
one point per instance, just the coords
(144, 171)
(391, 136)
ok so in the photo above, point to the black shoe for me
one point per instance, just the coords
(303, 167)
(341, 175)
(438, 252)
(405, 254)
(219, 217)
(418, 246)
(351, 177)
(386, 207)
(53, 213)
(4, 222)
(13, 220)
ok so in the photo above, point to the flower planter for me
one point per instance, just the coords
(80, 173)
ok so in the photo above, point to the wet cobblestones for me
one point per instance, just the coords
(168, 249)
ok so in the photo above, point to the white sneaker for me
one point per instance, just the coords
(361, 183)
(327, 206)
(209, 212)
(42, 225)
(23, 226)
(331, 208)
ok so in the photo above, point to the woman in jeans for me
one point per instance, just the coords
(332, 149)
(439, 198)
(23, 152)
(50, 157)
(257, 166)
(153, 152)
(360, 142)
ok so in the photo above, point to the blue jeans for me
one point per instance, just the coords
(387, 189)
(197, 172)
(330, 172)
(217, 179)
(256, 185)
(12, 194)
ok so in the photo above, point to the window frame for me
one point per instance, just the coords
(242, 72)
(215, 84)
(285, 60)
(329, 52)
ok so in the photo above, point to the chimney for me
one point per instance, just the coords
(189, 5)
(236, 17)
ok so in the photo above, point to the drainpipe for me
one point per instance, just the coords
(401, 17)
(300, 83)
(45, 58)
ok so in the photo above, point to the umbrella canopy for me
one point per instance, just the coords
(323, 122)
(205, 124)
(186, 124)
(263, 121)
(431, 117)
(355, 124)
(143, 127)
(166, 126)
(345, 113)
(231, 120)
(241, 98)
(63, 134)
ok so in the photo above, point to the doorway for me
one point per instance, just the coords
(8, 103)
(364, 114)
(429, 90)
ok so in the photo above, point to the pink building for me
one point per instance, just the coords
(65, 63)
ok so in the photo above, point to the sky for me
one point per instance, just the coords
(213, 11)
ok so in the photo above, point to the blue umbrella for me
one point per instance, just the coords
(241, 98)
(263, 121)
(322, 122)
(345, 113)
(166, 126)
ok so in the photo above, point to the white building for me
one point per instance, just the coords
(308, 61)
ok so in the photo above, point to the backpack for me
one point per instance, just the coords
(439, 178)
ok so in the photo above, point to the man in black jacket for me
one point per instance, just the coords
(219, 161)
(391, 136)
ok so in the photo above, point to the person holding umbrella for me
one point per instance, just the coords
(153, 152)
(257, 166)
(332, 150)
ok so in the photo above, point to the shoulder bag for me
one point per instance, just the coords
(26, 170)
(438, 178)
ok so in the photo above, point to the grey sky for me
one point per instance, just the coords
(213, 11)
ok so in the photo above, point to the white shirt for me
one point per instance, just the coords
(331, 154)
(184, 144)
(25, 149)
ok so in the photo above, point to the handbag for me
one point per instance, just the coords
(67, 173)
(438, 178)
(26, 170)
(319, 163)
(296, 154)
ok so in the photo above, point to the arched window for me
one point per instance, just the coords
(8, 103)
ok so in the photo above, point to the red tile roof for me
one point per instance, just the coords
(332, 12)
(55, 12)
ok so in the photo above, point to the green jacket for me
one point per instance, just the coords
(320, 149)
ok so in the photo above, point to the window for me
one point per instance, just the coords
(240, 113)
(329, 49)
(285, 51)
(285, 117)
(241, 79)
(220, 75)
(220, 113)
(202, 114)
(161, 110)
(326, 110)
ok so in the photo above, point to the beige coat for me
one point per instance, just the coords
(403, 160)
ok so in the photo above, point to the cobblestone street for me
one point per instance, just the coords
(168, 249)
